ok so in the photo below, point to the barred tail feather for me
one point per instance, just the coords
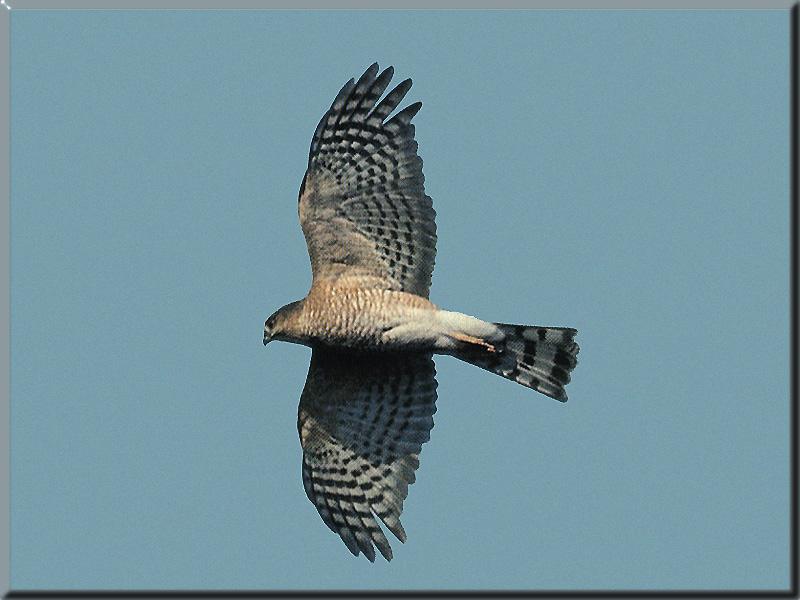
(540, 358)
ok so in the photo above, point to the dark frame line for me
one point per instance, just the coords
(690, 593)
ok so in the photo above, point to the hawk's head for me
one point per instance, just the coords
(279, 324)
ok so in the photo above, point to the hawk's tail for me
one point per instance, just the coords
(540, 358)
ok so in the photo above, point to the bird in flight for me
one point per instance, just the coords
(369, 398)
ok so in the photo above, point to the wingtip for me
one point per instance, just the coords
(371, 71)
(400, 533)
(349, 84)
(386, 76)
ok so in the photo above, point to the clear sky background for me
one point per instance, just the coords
(625, 173)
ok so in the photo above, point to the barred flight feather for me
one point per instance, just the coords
(362, 202)
(362, 421)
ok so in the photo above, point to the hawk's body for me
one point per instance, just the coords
(368, 403)
(361, 318)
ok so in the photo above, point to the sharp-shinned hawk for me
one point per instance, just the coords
(369, 398)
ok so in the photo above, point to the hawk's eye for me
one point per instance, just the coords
(270, 322)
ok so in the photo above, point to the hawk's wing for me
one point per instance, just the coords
(363, 419)
(363, 207)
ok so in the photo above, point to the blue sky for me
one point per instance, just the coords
(624, 173)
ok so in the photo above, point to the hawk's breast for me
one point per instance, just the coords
(357, 317)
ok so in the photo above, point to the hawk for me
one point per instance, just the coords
(369, 398)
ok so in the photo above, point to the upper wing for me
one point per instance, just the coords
(362, 421)
(362, 206)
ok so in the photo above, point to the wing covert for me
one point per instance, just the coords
(362, 204)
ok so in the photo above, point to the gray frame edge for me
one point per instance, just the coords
(397, 4)
(5, 302)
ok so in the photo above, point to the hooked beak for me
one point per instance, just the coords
(267, 337)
